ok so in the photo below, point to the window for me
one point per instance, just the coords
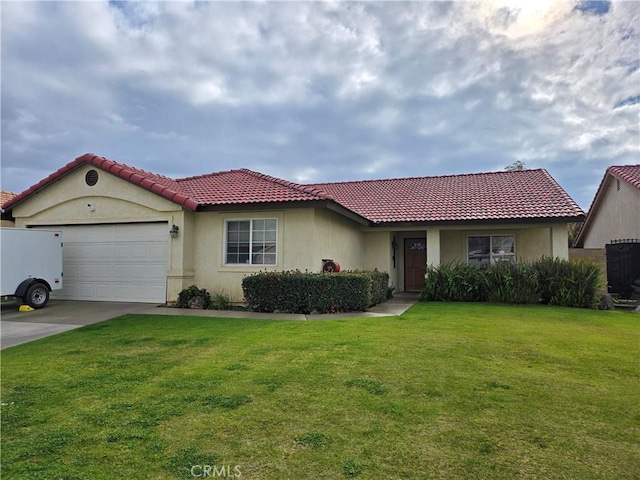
(251, 242)
(484, 249)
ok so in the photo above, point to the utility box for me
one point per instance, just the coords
(31, 264)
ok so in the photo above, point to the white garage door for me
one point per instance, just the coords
(119, 262)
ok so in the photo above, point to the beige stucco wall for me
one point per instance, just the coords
(115, 200)
(377, 253)
(336, 238)
(617, 216)
(305, 237)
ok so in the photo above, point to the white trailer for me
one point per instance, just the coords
(31, 264)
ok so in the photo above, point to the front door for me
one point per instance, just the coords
(415, 263)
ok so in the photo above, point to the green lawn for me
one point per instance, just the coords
(443, 391)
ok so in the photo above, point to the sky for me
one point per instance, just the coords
(317, 92)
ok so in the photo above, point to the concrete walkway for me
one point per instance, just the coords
(62, 315)
(397, 305)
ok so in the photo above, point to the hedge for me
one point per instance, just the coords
(298, 292)
(548, 281)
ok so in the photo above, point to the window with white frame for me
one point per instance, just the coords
(485, 249)
(251, 242)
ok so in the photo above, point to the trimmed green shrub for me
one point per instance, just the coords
(297, 292)
(547, 281)
(380, 291)
(190, 292)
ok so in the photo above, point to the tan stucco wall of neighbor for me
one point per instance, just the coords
(7, 223)
(617, 217)
(305, 237)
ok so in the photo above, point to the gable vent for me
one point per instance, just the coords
(91, 178)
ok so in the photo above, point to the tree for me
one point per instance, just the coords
(517, 165)
(574, 229)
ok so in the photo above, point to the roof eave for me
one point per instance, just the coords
(480, 221)
(265, 206)
(112, 168)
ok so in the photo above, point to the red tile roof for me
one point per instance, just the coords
(246, 186)
(628, 173)
(518, 194)
(158, 184)
(6, 196)
(508, 195)
(223, 188)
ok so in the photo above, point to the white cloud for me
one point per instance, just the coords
(321, 90)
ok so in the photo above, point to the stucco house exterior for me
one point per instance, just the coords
(132, 235)
(615, 211)
(610, 233)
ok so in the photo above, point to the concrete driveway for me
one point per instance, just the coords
(58, 316)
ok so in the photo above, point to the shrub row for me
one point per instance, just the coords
(549, 281)
(298, 292)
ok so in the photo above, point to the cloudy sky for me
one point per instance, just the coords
(322, 91)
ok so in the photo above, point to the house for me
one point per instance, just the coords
(615, 211)
(132, 235)
(612, 226)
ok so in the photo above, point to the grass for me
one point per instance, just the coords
(443, 391)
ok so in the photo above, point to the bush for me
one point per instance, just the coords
(297, 292)
(507, 282)
(380, 290)
(547, 281)
(220, 301)
(567, 283)
(190, 292)
(454, 282)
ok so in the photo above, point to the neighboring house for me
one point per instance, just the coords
(615, 211)
(4, 198)
(117, 222)
(613, 226)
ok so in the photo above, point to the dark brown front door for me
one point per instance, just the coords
(415, 263)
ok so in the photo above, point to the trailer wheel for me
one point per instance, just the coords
(37, 295)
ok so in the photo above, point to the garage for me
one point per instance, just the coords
(115, 262)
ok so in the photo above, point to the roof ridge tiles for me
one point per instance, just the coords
(308, 189)
(439, 177)
(124, 166)
(206, 175)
